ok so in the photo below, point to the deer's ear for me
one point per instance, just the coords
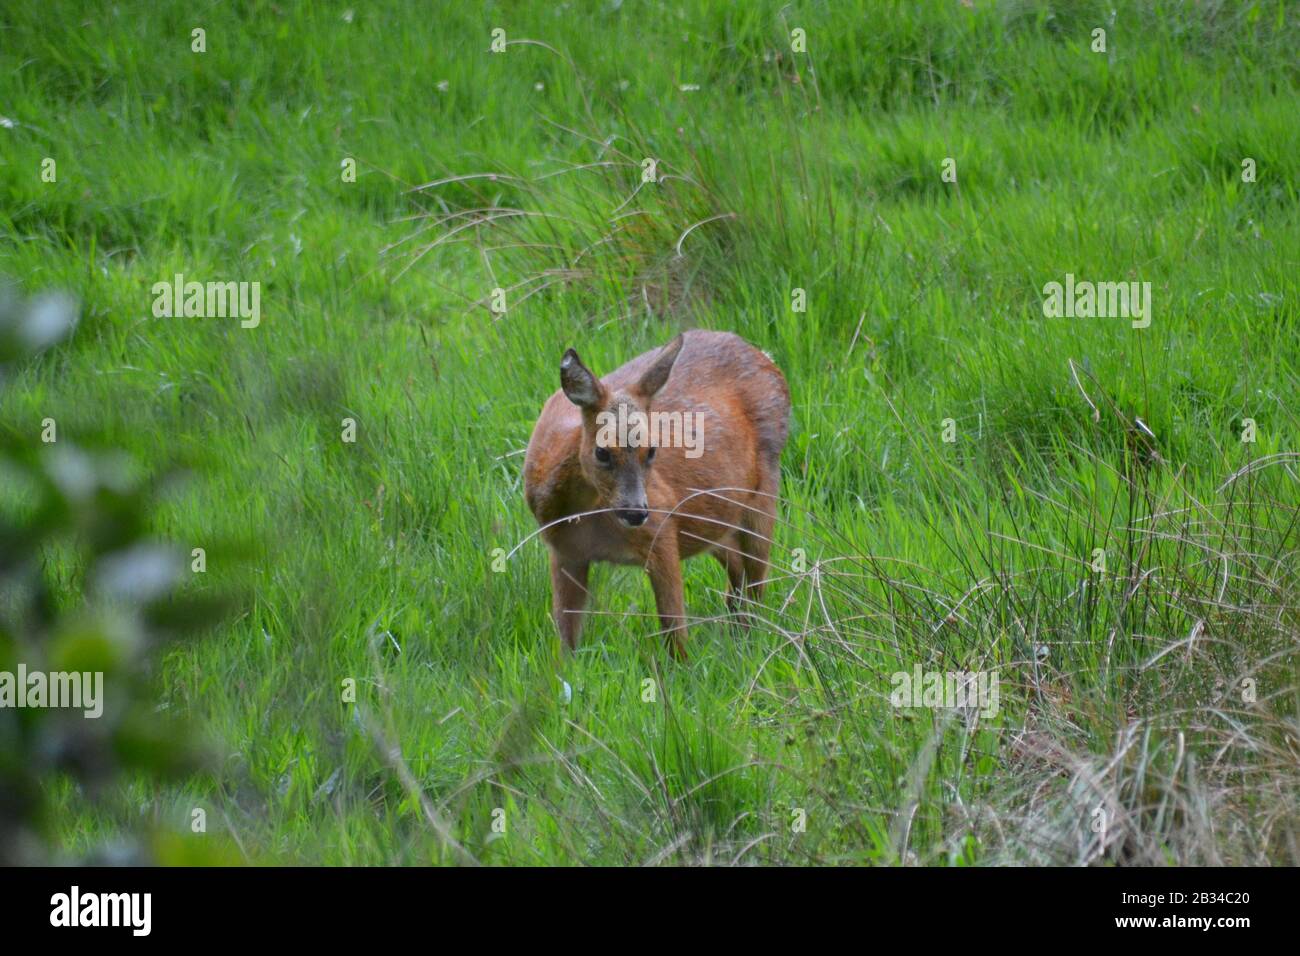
(659, 369)
(580, 386)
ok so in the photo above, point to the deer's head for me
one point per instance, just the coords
(617, 447)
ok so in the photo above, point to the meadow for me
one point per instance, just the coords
(1104, 515)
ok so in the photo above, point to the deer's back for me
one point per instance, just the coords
(737, 392)
(720, 371)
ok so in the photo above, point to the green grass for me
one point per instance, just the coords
(371, 560)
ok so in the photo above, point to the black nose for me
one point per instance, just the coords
(632, 516)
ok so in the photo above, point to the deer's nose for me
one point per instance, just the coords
(633, 517)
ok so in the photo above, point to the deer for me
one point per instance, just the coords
(606, 485)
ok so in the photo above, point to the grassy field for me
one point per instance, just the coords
(969, 483)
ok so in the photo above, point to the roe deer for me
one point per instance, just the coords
(658, 502)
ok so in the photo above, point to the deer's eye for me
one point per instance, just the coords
(602, 455)
(650, 454)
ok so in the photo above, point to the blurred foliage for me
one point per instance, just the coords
(91, 507)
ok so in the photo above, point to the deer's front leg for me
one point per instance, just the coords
(665, 568)
(568, 597)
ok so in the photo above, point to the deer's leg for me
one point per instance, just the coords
(568, 597)
(729, 556)
(665, 569)
(733, 559)
(756, 540)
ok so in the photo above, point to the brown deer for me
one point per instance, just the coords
(606, 484)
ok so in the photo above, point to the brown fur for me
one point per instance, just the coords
(745, 405)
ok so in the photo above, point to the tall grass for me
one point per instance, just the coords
(1128, 731)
